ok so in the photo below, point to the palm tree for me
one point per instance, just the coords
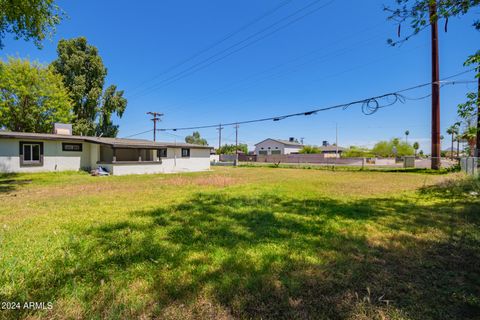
(415, 147)
(470, 134)
(406, 136)
(452, 130)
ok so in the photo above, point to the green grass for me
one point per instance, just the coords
(241, 243)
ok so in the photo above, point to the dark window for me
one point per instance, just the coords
(276, 152)
(185, 152)
(162, 153)
(31, 153)
(72, 147)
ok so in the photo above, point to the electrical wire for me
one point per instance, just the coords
(208, 61)
(368, 106)
(216, 43)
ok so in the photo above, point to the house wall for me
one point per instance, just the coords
(199, 160)
(269, 145)
(54, 159)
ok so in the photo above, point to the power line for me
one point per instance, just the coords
(366, 104)
(205, 63)
(137, 134)
(216, 43)
(369, 106)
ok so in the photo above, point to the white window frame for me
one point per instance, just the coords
(31, 145)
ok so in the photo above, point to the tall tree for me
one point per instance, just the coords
(406, 136)
(452, 130)
(84, 75)
(113, 102)
(416, 146)
(420, 14)
(471, 108)
(29, 19)
(196, 139)
(32, 97)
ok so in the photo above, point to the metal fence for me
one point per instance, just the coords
(469, 165)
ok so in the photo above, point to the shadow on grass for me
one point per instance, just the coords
(267, 257)
(10, 181)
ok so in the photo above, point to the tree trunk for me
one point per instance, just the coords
(478, 119)
(451, 150)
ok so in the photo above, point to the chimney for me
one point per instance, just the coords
(62, 129)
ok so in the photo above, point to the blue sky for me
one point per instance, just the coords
(334, 55)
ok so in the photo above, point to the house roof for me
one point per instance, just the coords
(113, 142)
(285, 142)
(331, 148)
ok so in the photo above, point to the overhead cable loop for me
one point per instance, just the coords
(368, 106)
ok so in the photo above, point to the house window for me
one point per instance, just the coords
(162, 153)
(72, 147)
(262, 152)
(185, 152)
(31, 153)
(275, 151)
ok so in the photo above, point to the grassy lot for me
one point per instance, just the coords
(244, 243)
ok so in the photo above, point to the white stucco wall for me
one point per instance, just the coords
(54, 158)
(199, 160)
(269, 145)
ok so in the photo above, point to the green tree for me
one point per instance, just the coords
(230, 149)
(415, 13)
(309, 150)
(84, 76)
(470, 134)
(29, 19)
(32, 97)
(112, 102)
(416, 146)
(386, 148)
(196, 139)
(356, 152)
(452, 130)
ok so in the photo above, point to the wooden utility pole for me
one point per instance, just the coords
(220, 128)
(436, 144)
(236, 144)
(156, 117)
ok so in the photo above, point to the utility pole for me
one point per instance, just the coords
(220, 128)
(301, 140)
(336, 140)
(236, 144)
(156, 117)
(436, 144)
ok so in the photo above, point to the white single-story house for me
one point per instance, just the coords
(276, 146)
(62, 151)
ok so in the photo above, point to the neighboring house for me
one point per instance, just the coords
(329, 151)
(276, 146)
(61, 151)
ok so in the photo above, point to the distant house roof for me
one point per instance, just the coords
(113, 142)
(285, 142)
(331, 149)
